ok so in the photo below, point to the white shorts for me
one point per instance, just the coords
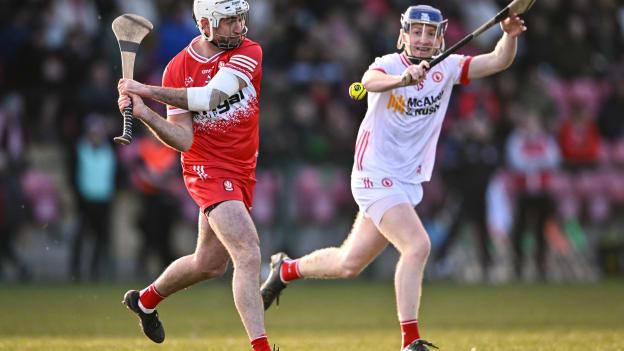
(375, 197)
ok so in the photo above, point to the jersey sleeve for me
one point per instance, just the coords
(246, 63)
(172, 79)
(458, 68)
(381, 64)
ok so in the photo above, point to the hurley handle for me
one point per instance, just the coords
(126, 137)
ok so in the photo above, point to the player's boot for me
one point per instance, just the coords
(273, 285)
(419, 345)
(151, 325)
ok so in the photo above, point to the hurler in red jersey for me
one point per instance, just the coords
(225, 139)
(212, 91)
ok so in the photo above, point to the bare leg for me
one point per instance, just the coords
(402, 227)
(233, 225)
(358, 250)
(208, 261)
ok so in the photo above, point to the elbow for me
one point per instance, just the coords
(185, 146)
(499, 66)
(366, 84)
(505, 60)
(376, 82)
(179, 147)
(370, 86)
(507, 64)
(187, 139)
(182, 138)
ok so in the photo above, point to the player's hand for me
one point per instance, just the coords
(130, 86)
(513, 25)
(138, 107)
(414, 74)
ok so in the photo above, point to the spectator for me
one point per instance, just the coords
(579, 139)
(154, 173)
(12, 140)
(95, 168)
(610, 121)
(476, 160)
(533, 155)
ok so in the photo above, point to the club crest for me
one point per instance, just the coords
(437, 76)
(387, 182)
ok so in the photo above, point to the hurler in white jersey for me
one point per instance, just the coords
(397, 139)
(394, 154)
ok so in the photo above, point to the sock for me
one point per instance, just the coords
(290, 271)
(261, 343)
(409, 331)
(149, 298)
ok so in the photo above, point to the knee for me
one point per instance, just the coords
(418, 250)
(247, 256)
(209, 268)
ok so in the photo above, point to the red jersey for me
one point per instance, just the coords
(225, 140)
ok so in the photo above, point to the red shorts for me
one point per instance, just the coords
(207, 191)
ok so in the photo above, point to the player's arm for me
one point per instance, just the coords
(503, 54)
(176, 131)
(377, 81)
(223, 85)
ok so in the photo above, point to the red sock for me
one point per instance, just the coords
(150, 297)
(261, 343)
(409, 330)
(290, 271)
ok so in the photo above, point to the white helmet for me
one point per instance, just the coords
(216, 10)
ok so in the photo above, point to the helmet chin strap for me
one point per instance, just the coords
(205, 37)
(211, 38)
(416, 60)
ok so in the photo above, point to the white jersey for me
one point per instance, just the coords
(398, 136)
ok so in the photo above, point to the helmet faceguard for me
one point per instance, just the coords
(216, 10)
(422, 15)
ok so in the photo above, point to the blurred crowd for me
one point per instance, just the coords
(529, 180)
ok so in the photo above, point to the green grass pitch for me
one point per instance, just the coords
(341, 316)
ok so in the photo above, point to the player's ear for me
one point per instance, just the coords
(204, 25)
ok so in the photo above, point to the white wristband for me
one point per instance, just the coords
(199, 98)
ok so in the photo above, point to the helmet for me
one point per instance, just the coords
(422, 15)
(216, 10)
